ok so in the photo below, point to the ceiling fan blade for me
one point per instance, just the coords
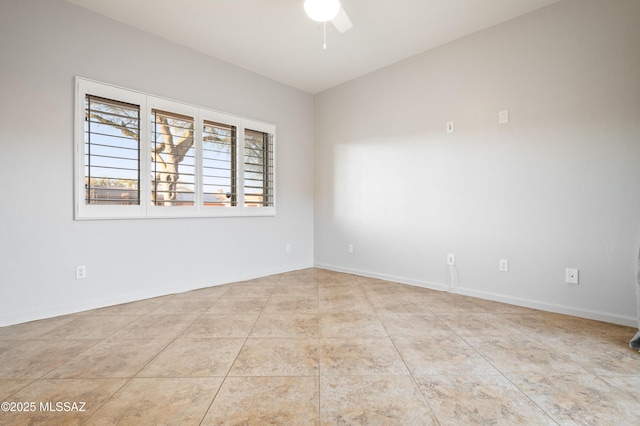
(342, 21)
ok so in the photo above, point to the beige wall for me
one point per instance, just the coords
(44, 44)
(556, 187)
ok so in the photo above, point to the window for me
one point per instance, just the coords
(112, 152)
(258, 169)
(173, 168)
(219, 164)
(195, 165)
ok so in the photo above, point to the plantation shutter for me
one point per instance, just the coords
(219, 168)
(112, 152)
(173, 156)
(258, 169)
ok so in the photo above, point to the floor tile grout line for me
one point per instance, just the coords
(107, 399)
(437, 316)
(160, 351)
(440, 319)
(235, 359)
(413, 378)
(506, 377)
(88, 315)
(135, 375)
(97, 342)
(528, 397)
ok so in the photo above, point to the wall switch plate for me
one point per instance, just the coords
(350, 248)
(572, 276)
(450, 127)
(504, 265)
(288, 248)
(451, 259)
(503, 117)
(81, 272)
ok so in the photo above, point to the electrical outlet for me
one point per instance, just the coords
(451, 259)
(450, 127)
(288, 248)
(81, 272)
(504, 265)
(572, 276)
(503, 117)
(350, 248)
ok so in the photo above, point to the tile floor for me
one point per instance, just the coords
(318, 347)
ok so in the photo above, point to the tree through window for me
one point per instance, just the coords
(139, 155)
(112, 152)
(172, 159)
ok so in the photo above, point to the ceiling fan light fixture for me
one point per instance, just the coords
(322, 10)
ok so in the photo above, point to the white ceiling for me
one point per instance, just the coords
(276, 39)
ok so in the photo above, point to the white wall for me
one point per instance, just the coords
(557, 187)
(43, 46)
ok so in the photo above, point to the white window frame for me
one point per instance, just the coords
(259, 127)
(217, 117)
(146, 209)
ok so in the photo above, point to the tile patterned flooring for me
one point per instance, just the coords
(319, 347)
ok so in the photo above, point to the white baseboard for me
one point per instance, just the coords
(534, 304)
(527, 303)
(55, 311)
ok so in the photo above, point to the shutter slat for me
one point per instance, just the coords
(219, 171)
(258, 160)
(112, 152)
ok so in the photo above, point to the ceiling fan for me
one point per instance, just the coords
(328, 10)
